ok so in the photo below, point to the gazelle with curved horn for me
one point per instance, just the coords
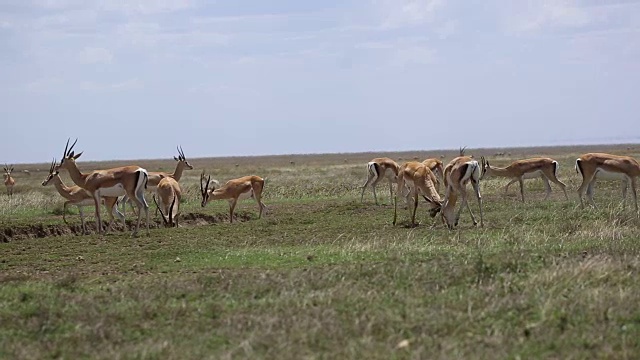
(420, 180)
(378, 169)
(437, 168)
(156, 176)
(129, 180)
(542, 167)
(594, 165)
(169, 192)
(457, 174)
(79, 197)
(9, 181)
(241, 188)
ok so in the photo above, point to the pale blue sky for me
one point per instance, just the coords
(289, 76)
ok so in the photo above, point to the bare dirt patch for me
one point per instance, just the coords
(10, 232)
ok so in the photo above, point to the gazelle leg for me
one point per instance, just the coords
(64, 211)
(521, 182)
(506, 188)
(96, 200)
(370, 177)
(587, 186)
(373, 187)
(463, 203)
(232, 206)
(551, 176)
(415, 207)
(633, 192)
(625, 186)
(476, 187)
(547, 187)
(84, 227)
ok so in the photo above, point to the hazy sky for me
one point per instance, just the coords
(132, 79)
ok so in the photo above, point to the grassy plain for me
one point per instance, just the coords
(323, 276)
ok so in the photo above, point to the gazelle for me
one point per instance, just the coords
(599, 165)
(129, 180)
(241, 188)
(156, 176)
(79, 197)
(378, 169)
(542, 167)
(436, 166)
(457, 174)
(169, 192)
(9, 181)
(420, 180)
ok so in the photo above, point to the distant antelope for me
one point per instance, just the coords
(599, 165)
(79, 197)
(170, 194)
(420, 180)
(130, 180)
(544, 168)
(9, 181)
(378, 169)
(457, 174)
(234, 190)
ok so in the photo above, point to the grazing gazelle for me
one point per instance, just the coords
(129, 180)
(169, 192)
(242, 188)
(436, 166)
(420, 180)
(79, 197)
(156, 176)
(9, 181)
(377, 169)
(599, 165)
(544, 168)
(457, 174)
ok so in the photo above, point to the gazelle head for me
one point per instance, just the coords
(181, 158)
(434, 206)
(53, 172)
(68, 157)
(169, 219)
(448, 211)
(7, 170)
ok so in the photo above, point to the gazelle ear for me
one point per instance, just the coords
(176, 159)
(77, 156)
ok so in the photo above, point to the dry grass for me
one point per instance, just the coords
(323, 276)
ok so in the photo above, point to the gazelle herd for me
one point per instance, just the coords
(130, 182)
(413, 180)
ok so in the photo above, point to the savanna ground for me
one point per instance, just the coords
(323, 276)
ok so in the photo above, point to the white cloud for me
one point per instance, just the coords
(95, 55)
(399, 13)
(447, 29)
(413, 55)
(537, 15)
(44, 85)
(146, 7)
(130, 84)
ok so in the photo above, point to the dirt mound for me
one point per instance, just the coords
(17, 232)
